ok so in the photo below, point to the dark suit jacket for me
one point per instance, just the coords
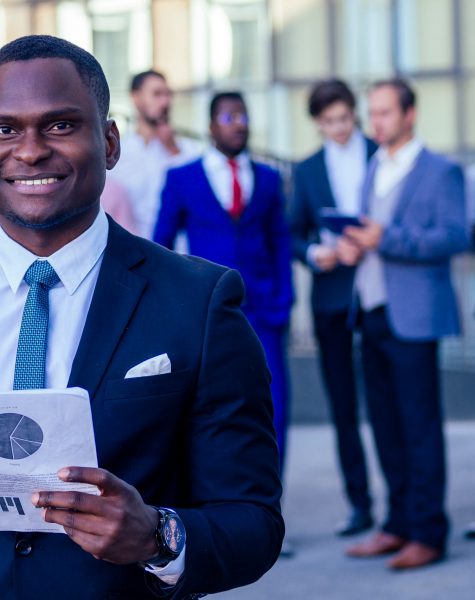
(332, 291)
(257, 245)
(199, 439)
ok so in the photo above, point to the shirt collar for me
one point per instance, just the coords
(72, 262)
(215, 158)
(405, 156)
(353, 142)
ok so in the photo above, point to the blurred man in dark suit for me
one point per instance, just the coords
(332, 178)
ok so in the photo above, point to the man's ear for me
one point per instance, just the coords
(411, 116)
(112, 144)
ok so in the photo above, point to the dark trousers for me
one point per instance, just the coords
(402, 388)
(335, 341)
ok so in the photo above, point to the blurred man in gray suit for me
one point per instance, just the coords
(414, 201)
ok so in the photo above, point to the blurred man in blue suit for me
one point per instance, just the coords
(232, 211)
(416, 222)
(333, 178)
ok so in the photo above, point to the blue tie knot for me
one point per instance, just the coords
(41, 272)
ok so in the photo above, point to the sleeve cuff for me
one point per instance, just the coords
(170, 573)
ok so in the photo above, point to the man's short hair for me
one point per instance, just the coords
(137, 81)
(217, 98)
(46, 46)
(327, 92)
(407, 96)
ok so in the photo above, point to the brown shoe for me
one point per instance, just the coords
(415, 555)
(381, 543)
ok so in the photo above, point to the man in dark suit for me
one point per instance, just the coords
(188, 477)
(416, 222)
(332, 178)
(231, 209)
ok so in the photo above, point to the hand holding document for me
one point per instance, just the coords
(41, 432)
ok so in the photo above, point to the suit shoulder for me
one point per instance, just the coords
(185, 170)
(192, 272)
(265, 169)
(309, 161)
(441, 162)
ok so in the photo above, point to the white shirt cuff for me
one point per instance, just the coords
(316, 251)
(170, 573)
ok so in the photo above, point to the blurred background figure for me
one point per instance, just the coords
(115, 200)
(332, 177)
(149, 151)
(415, 202)
(231, 209)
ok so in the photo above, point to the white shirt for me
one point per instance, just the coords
(77, 265)
(142, 170)
(392, 169)
(219, 175)
(370, 282)
(346, 168)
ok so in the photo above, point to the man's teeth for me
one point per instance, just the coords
(36, 181)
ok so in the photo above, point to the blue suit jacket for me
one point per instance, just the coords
(428, 227)
(168, 435)
(257, 245)
(332, 291)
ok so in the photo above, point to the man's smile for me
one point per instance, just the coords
(36, 184)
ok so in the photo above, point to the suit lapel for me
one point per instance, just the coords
(368, 185)
(414, 179)
(371, 148)
(324, 192)
(257, 190)
(116, 295)
(214, 204)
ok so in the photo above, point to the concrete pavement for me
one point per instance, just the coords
(313, 504)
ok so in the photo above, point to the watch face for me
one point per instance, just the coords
(174, 534)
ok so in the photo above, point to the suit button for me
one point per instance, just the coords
(23, 547)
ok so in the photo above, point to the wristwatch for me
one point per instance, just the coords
(170, 537)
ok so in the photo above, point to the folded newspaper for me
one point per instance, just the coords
(41, 431)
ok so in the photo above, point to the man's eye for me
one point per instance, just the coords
(5, 130)
(61, 126)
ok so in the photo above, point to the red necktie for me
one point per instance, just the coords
(237, 205)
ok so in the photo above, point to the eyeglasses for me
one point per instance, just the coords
(227, 118)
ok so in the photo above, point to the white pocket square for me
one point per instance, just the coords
(157, 365)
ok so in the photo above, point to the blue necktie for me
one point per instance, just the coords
(32, 341)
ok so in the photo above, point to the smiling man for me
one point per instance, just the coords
(188, 471)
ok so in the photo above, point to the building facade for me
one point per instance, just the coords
(273, 50)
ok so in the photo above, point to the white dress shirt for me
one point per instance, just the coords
(77, 265)
(390, 172)
(346, 168)
(392, 169)
(219, 175)
(142, 169)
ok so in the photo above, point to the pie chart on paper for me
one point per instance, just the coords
(20, 436)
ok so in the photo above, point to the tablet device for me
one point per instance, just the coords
(336, 221)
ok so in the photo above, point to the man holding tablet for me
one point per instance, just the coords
(328, 184)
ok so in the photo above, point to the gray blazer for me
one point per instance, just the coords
(427, 228)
